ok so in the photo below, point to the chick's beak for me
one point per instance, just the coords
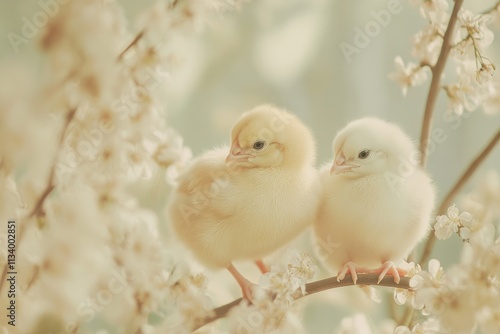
(236, 154)
(339, 166)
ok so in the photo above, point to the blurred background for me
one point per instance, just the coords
(288, 53)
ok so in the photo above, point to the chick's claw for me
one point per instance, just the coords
(247, 290)
(389, 268)
(352, 268)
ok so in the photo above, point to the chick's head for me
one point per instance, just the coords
(268, 137)
(370, 146)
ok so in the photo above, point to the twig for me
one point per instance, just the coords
(137, 38)
(141, 33)
(437, 71)
(318, 286)
(50, 183)
(456, 189)
(38, 207)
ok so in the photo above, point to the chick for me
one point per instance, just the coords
(376, 201)
(246, 201)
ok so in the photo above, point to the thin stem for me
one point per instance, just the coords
(137, 38)
(437, 71)
(457, 188)
(318, 286)
(38, 207)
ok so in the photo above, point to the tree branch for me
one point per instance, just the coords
(456, 189)
(38, 207)
(437, 71)
(137, 38)
(318, 286)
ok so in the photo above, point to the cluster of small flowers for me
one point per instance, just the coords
(474, 71)
(189, 304)
(454, 222)
(467, 295)
(71, 148)
(272, 308)
(471, 37)
(426, 45)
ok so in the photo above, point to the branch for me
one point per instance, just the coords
(318, 286)
(134, 42)
(457, 188)
(437, 71)
(38, 207)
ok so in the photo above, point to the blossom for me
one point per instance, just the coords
(427, 285)
(429, 326)
(407, 76)
(192, 305)
(288, 280)
(170, 153)
(453, 222)
(473, 32)
(433, 10)
(272, 307)
(357, 323)
(489, 319)
(471, 89)
(427, 43)
(402, 296)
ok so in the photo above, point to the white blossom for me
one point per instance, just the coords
(429, 326)
(453, 222)
(357, 323)
(273, 306)
(402, 296)
(473, 32)
(407, 76)
(171, 154)
(427, 43)
(435, 11)
(427, 285)
(192, 305)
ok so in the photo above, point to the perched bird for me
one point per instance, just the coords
(246, 201)
(376, 200)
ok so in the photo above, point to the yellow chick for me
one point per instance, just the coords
(376, 201)
(246, 201)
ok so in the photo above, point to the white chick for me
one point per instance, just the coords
(244, 202)
(376, 201)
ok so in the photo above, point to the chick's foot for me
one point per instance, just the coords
(389, 268)
(353, 269)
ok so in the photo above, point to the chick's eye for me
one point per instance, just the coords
(364, 154)
(259, 145)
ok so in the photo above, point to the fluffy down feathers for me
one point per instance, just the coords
(246, 201)
(376, 201)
